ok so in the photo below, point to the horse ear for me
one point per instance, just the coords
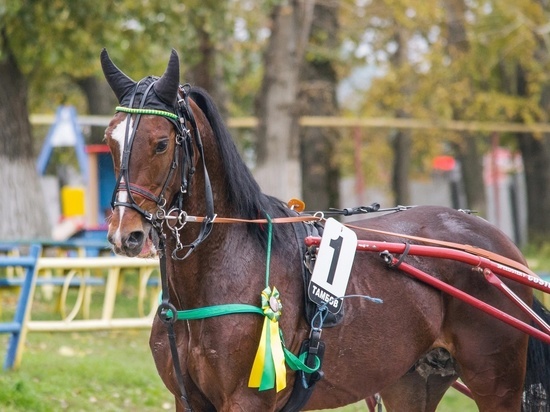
(119, 82)
(166, 88)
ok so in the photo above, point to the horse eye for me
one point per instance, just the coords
(162, 146)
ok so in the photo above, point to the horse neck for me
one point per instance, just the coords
(215, 272)
(224, 268)
(229, 266)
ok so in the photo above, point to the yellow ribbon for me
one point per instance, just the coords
(269, 364)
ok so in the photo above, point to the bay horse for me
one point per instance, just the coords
(175, 162)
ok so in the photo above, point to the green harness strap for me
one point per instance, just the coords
(294, 362)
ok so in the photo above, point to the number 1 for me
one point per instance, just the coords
(336, 244)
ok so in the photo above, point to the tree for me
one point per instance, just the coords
(44, 42)
(317, 97)
(401, 138)
(277, 150)
(21, 192)
(535, 150)
(509, 64)
(467, 145)
(30, 48)
(392, 33)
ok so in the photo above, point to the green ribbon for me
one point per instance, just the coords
(269, 355)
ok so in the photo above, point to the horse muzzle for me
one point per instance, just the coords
(133, 240)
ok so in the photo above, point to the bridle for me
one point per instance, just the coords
(175, 218)
(185, 142)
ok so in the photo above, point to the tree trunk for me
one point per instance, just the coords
(535, 153)
(21, 208)
(101, 101)
(471, 167)
(467, 151)
(401, 143)
(207, 73)
(535, 149)
(320, 170)
(278, 161)
(401, 138)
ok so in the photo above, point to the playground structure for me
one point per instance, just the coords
(79, 201)
(76, 280)
(76, 265)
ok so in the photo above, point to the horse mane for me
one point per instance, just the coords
(243, 192)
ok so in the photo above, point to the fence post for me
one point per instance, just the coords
(18, 327)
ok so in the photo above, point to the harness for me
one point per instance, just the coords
(309, 362)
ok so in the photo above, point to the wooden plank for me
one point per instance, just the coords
(347, 122)
(89, 325)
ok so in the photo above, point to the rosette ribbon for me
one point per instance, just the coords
(269, 368)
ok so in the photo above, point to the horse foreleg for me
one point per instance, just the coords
(160, 348)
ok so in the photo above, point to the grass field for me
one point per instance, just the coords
(105, 371)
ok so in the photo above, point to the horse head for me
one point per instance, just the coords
(147, 138)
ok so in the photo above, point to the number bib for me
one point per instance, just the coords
(333, 265)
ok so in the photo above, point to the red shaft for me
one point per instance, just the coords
(438, 284)
(447, 253)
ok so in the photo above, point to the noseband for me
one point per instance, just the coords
(175, 216)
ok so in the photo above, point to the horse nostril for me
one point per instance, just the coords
(135, 240)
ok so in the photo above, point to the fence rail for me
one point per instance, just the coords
(348, 122)
(116, 267)
(82, 275)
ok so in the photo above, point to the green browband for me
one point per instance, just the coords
(147, 111)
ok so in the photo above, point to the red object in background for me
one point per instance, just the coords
(444, 163)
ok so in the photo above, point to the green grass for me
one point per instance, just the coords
(105, 371)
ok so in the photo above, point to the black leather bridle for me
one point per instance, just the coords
(186, 141)
(175, 217)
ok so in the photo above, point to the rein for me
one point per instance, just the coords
(319, 216)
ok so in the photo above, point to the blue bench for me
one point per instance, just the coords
(16, 327)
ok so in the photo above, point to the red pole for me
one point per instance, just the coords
(448, 253)
(457, 293)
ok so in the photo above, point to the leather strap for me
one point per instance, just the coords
(466, 248)
(307, 218)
